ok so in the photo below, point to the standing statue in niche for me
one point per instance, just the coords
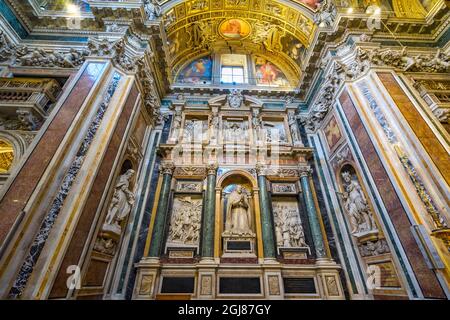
(295, 133)
(257, 124)
(176, 126)
(356, 205)
(238, 215)
(121, 203)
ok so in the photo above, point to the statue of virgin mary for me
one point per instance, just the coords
(238, 215)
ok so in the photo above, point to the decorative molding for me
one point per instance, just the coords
(189, 171)
(284, 188)
(189, 186)
(417, 181)
(437, 62)
(64, 189)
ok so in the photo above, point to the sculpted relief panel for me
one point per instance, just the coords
(185, 222)
(235, 131)
(195, 131)
(288, 226)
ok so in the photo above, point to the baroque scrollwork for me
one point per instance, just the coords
(325, 101)
(152, 9)
(235, 98)
(401, 59)
(326, 15)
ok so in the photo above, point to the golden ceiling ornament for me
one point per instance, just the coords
(290, 19)
(6, 156)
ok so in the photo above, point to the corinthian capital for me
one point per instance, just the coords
(167, 167)
(261, 169)
(212, 168)
(304, 171)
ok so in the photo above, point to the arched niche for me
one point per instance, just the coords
(228, 183)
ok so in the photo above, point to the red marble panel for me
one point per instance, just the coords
(27, 179)
(96, 273)
(427, 278)
(418, 124)
(80, 237)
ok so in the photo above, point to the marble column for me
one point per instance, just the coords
(161, 211)
(266, 218)
(209, 212)
(314, 223)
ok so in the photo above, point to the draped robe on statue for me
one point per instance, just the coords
(238, 216)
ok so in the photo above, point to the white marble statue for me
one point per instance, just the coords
(356, 205)
(121, 203)
(238, 215)
(295, 133)
(152, 9)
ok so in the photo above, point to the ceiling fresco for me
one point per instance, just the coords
(271, 29)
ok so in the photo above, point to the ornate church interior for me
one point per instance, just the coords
(224, 149)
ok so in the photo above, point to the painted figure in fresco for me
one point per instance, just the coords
(356, 205)
(198, 71)
(238, 215)
(121, 203)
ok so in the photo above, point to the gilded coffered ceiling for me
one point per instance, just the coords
(269, 28)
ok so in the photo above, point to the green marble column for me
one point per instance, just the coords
(266, 219)
(161, 211)
(209, 213)
(314, 223)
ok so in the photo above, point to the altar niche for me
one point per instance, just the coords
(237, 217)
